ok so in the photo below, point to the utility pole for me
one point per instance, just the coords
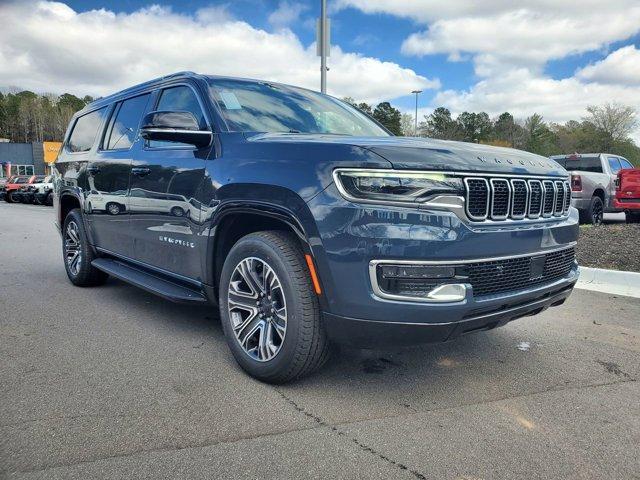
(415, 129)
(323, 41)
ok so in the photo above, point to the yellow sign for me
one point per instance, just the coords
(51, 150)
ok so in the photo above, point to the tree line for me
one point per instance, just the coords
(28, 117)
(605, 128)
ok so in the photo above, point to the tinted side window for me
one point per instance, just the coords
(85, 131)
(585, 164)
(614, 164)
(625, 164)
(180, 99)
(124, 127)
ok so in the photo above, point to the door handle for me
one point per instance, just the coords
(141, 171)
(93, 170)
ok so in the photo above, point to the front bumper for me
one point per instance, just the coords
(353, 236)
(626, 206)
(370, 333)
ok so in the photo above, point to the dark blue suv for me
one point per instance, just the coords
(305, 221)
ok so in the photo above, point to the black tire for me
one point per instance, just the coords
(305, 346)
(114, 208)
(632, 217)
(49, 199)
(12, 198)
(595, 213)
(177, 211)
(80, 273)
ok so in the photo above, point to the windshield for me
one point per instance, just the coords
(20, 180)
(249, 106)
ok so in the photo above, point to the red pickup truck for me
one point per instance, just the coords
(14, 184)
(628, 193)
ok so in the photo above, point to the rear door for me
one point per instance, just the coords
(107, 201)
(166, 179)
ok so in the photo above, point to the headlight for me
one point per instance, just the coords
(393, 186)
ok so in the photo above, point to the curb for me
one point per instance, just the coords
(609, 281)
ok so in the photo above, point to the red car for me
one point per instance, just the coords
(628, 193)
(14, 184)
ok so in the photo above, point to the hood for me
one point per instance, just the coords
(414, 153)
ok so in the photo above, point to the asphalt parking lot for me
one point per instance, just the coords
(111, 382)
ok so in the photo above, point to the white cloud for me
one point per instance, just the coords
(522, 93)
(47, 46)
(621, 67)
(286, 13)
(502, 33)
(510, 44)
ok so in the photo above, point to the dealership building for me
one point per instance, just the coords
(33, 158)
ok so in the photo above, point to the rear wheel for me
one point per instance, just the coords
(270, 312)
(595, 213)
(632, 217)
(78, 254)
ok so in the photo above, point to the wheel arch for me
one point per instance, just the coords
(234, 221)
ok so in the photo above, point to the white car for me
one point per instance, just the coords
(43, 191)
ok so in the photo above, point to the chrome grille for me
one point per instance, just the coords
(477, 198)
(535, 198)
(499, 199)
(567, 196)
(519, 198)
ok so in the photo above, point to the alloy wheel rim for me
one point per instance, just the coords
(597, 214)
(114, 209)
(72, 248)
(257, 309)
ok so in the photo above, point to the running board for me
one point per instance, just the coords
(148, 281)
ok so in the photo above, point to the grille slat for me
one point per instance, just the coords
(535, 199)
(560, 193)
(519, 198)
(567, 196)
(477, 198)
(499, 276)
(499, 199)
(548, 203)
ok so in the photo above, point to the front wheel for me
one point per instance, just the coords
(270, 312)
(78, 254)
(632, 217)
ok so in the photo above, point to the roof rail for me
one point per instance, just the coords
(184, 73)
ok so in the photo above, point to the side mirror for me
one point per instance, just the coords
(179, 127)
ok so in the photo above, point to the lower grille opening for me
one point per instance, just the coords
(486, 278)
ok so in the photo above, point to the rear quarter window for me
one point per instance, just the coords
(85, 131)
(583, 164)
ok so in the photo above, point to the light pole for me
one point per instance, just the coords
(415, 129)
(323, 46)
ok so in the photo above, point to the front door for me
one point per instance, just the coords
(107, 200)
(166, 179)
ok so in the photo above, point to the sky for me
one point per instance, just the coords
(552, 57)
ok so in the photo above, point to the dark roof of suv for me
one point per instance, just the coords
(157, 82)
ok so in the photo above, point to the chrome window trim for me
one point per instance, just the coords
(466, 203)
(377, 291)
